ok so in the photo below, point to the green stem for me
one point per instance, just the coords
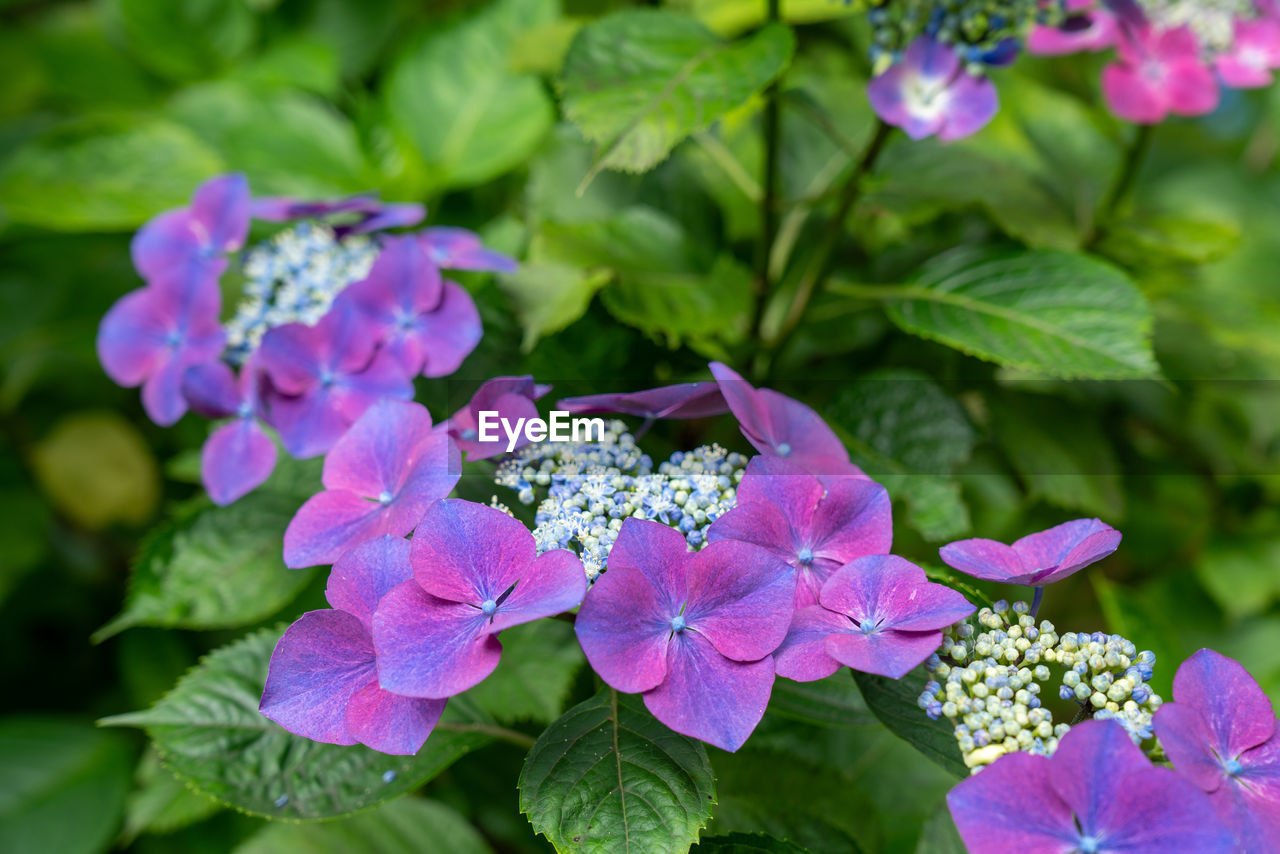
(519, 739)
(1134, 157)
(815, 275)
(772, 130)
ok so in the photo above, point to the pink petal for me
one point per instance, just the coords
(329, 524)
(803, 655)
(236, 459)
(1236, 711)
(1133, 96)
(450, 332)
(390, 723)
(375, 454)
(658, 551)
(552, 584)
(624, 627)
(467, 552)
(366, 573)
(740, 598)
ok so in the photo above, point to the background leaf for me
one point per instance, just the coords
(893, 701)
(539, 663)
(400, 827)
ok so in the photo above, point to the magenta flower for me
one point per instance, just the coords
(1088, 27)
(427, 324)
(1254, 53)
(325, 376)
(814, 529)
(929, 92)
(322, 682)
(1220, 733)
(189, 246)
(476, 571)
(371, 214)
(380, 477)
(783, 427)
(1036, 559)
(692, 631)
(152, 335)
(878, 614)
(1159, 72)
(1097, 794)
(511, 397)
(685, 400)
(238, 455)
(459, 249)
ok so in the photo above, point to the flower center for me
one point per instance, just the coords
(1088, 845)
(868, 625)
(488, 606)
(245, 409)
(173, 339)
(1233, 767)
(806, 556)
(784, 450)
(469, 434)
(677, 623)
(384, 497)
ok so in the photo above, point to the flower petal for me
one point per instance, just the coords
(552, 584)
(374, 455)
(309, 424)
(390, 723)
(1185, 738)
(450, 332)
(1133, 96)
(887, 652)
(132, 336)
(740, 598)
(660, 553)
(1011, 806)
(362, 576)
(235, 460)
(211, 389)
(330, 523)
(985, 559)
(685, 400)
(467, 552)
(1235, 709)
(221, 206)
(803, 655)
(971, 103)
(624, 629)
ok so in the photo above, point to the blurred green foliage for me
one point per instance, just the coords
(1075, 358)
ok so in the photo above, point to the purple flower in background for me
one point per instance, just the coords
(322, 682)
(511, 398)
(684, 400)
(1036, 559)
(428, 325)
(1097, 794)
(372, 214)
(325, 376)
(188, 246)
(1088, 27)
(152, 335)
(930, 92)
(1159, 72)
(878, 614)
(1220, 733)
(459, 249)
(814, 529)
(476, 571)
(238, 455)
(692, 631)
(783, 427)
(379, 478)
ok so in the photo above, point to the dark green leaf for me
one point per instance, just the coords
(893, 701)
(746, 843)
(830, 702)
(162, 803)
(184, 39)
(539, 663)
(940, 835)
(608, 777)
(406, 826)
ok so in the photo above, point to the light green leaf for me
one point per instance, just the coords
(184, 39)
(539, 663)
(608, 777)
(729, 17)
(638, 82)
(456, 101)
(1239, 572)
(549, 295)
(162, 803)
(1059, 314)
(1177, 238)
(406, 826)
(104, 174)
(209, 732)
(893, 701)
(63, 786)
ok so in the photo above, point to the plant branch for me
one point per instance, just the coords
(772, 130)
(1134, 156)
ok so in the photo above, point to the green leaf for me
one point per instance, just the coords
(830, 702)
(1239, 571)
(893, 701)
(746, 843)
(608, 777)
(935, 504)
(184, 39)
(162, 803)
(209, 732)
(104, 174)
(460, 107)
(539, 663)
(637, 82)
(1058, 314)
(63, 786)
(406, 826)
(1170, 238)
(940, 835)
(548, 295)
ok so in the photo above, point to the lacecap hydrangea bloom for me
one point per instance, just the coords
(335, 314)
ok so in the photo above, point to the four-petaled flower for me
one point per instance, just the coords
(1220, 733)
(929, 92)
(1036, 559)
(1159, 72)
(1097, 794)
(1254, 54)
(476, 571)
(692, 631)
(458, 249)
(878, 614)
(322, 682)
(379, 478)
(238, 456)
(511, 398)
(188, 246)
(684, 400)
(815, 529)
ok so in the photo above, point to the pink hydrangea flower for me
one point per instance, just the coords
(1159, 72)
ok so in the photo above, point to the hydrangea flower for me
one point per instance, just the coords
(476, 571)
(238, 456)
(878, 614)
(1086, 26)
(379, 479)
(152, 335)
(1220, 733)
(1159, 72)
(684, 400)
(1254, 53)
(930, 92)
(1097, 794)
(511, 398)
(1036, 559)
(322, 682)
(459, 249)
(325, 376)
(693, 631)
(371, 213)
(427, 324)
(782, 426)
(189, 246)
(814, 529)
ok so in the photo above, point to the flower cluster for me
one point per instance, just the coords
(335, 315)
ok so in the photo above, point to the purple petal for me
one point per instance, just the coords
(388, 215)
(1011, 806)
(450, 332)
(709, 697)
(760, 523)
(332, 522)
(971, 103)
(931, 59)
(803, 655)
(685, 400)
(390, 723)
(467, 552)
(402, 283)
(429, 647)
(1250, 803)
(658, 551)
(365, 574)
(740, 599)
(552, 584)
(384, 377)
(1156, 810)
(132, 339)
(308, 424)
(376, 453)
(459, 249)
(1089, 771)
(323, 659)
(1133, 96)
(1236, 711)
(211, 389)
(892, 593)
(173, 250)
(854, 518)
(1185, 738)
(162, 393)
(785, 485)
(221, 207)
(1067, 547)
(888, 652)
(985, 559)
(885, 92)
(624, 628)
(511, 397)
(236, 459)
